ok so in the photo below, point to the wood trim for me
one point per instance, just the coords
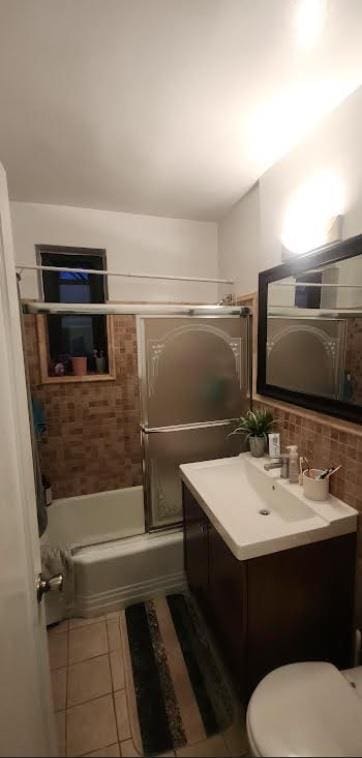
(43, 349)
(110, 348)
(69, 379)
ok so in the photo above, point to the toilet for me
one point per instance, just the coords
(307, 709)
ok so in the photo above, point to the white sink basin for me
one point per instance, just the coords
(258, 513)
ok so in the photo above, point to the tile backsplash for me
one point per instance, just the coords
(325, 440)
(92, 441)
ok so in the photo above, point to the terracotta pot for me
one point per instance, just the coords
(79, 365)
(257, 446)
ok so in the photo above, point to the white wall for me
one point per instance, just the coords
(239, 242)
(334, 147)
(147, 244)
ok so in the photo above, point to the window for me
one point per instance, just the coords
(74, 335)
(308, 297)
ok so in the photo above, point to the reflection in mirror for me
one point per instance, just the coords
(314, 332)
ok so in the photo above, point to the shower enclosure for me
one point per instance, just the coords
(194, 383)
(193, 366)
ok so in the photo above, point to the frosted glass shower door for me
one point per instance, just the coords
(165, 451)
(194, 373)
(192, 369)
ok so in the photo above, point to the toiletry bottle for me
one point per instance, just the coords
(284, 471)
(293, 464)
(274, 444)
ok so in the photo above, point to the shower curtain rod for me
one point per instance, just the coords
(315, 284)
(103, 272)
(132, 309)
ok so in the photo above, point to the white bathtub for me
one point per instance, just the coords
(90, 519)
(115, 562)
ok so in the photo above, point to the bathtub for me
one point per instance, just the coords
(91, 519)
(115, 562)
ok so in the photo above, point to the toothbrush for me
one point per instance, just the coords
(325, 473)
(334, 471)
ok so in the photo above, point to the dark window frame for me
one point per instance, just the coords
(71, 250)
(49, 285)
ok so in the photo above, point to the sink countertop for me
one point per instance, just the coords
(233, 491)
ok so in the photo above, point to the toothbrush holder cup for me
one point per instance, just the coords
(313, 488)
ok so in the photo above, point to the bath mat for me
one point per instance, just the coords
(179, 691)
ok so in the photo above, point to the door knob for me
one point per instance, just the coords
(48, 585)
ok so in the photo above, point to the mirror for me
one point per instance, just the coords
(310, 330)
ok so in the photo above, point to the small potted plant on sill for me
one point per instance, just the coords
(79, 365)
(256, 425)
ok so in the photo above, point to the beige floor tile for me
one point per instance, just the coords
(236, 738)
(120, 703)
(117, 669)
(128, 750)
(130, 689)
(87, 642)
(114, 635)
(113, 751)
(88, 680)
(91, 726)
(58, 648)
(59, 687)
(77, 623)
(60, 727)
(213, 747)
(63, 626)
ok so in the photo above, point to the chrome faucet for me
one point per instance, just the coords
(275, 463)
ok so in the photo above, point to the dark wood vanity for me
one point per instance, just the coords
(287, 606)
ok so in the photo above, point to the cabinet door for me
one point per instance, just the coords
(196, 548)
(227, 602)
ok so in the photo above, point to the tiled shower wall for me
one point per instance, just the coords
(92, 442)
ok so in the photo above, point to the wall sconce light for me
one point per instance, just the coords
(314, 215)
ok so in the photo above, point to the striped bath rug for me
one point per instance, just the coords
(177, 692)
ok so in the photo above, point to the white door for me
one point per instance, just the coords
(26, 720)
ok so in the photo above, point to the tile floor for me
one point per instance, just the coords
(90, 702)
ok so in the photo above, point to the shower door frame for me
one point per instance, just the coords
(145, 430)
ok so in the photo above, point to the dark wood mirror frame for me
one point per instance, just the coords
(349, 248)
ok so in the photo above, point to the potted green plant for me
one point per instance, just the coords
(256, 425)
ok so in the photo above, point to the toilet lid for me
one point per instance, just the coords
(305, 709)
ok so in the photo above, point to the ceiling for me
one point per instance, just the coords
(166, 107)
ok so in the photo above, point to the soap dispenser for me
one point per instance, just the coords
(293, 464)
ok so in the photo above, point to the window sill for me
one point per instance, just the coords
(71, 378)
(86, 378)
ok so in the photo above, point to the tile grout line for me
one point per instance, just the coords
(98, 749)
(92, 699)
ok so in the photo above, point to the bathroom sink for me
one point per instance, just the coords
(258, 513)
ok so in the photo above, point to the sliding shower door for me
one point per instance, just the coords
(165, 450)
(194, 381)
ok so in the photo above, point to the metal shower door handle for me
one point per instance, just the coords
(48, 585)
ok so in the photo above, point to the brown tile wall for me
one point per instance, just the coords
(323, 441)
(92, 441)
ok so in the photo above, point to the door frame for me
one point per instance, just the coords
(27, 725)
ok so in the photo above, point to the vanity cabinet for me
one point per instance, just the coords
(288, 606)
